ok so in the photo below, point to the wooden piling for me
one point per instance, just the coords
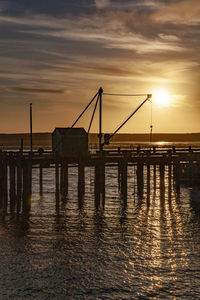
(154, 176)
(176, 176)
(12, 187)
(119, 175)
(124, 179)
(41, 179)
(148, 183)
(100, 182)
(65, 179)
(26, 201)
(140, 178)
(1, 181)
(57, 181)
(191, 171)
(162, 180)
(169, 179)
(19, 181)
(81, 181)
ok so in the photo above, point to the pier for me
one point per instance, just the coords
(182, 166)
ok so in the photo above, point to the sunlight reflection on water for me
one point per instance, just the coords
(119, 252)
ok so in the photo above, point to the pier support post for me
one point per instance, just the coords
(41, 179)
(19, 181)
(140, 179)
(154, 176)
(124, 179)
(12, 183)
(3, 183)
(81, 181)
(100, 182)
(176, 176)
(169, 179)
(64, 179)
(148, 184)
(57, 181)
(162, 181)
(191, 171)
(119, 175)
(27, 184)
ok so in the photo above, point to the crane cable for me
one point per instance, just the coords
(124, 95)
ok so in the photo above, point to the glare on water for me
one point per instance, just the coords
(147, 248)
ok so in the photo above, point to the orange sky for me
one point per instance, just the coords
(57, 56)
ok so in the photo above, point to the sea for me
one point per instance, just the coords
(137, 249)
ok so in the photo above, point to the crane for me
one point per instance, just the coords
(98, 97)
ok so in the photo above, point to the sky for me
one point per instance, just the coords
(56, 54)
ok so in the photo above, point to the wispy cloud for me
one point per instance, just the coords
(182, 12)
(37, 90)
(110, 33)
(102, 3)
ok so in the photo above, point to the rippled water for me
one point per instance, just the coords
(132, 251)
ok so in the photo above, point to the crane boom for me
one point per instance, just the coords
(108, 137)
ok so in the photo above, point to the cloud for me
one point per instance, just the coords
(182, 12)
(169, 38)
(37, 90)
(102, 3)
(109, 31)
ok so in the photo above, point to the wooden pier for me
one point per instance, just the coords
(182, 166)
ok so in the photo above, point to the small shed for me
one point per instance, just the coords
(70, 141)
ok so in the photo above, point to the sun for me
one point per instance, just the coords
(161, 97)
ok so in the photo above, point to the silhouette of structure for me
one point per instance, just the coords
(70, 141)
(70, 148)
(173, 166)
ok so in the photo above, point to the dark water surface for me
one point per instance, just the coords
(116, 252)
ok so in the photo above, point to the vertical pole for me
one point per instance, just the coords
(12, 183)
(124, 179)
(81, 181)
(22, 145)
(19, 181)
(5, 182)
(162, 180)
(177, 177)
(169, 179)
(96, 184)
(140, 178)
(1, 181)
(57, 181)
(31, 129)
(41, 179)
(154, 176)
(65, 175)
(100, 119)
(26, 187)
(61, 178)
(64, 179)
(30, 175)
(99, 182)
(148, 184)
(191, 171)
(119, 175)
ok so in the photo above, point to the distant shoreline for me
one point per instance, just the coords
(44, 139)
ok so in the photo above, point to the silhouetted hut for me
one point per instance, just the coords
(70, 141)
